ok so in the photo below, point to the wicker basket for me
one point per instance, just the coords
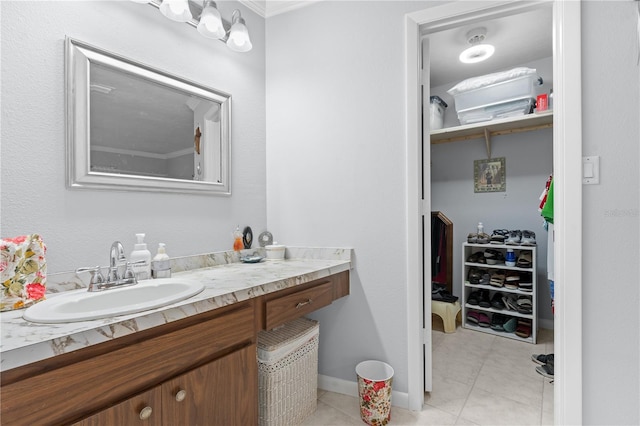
(288, 372)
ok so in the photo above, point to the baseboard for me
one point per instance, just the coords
(346, 387)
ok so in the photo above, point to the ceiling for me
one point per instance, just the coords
(517, 38)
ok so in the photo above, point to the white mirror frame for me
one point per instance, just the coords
(79, 56)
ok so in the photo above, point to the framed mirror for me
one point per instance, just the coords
(133, 127)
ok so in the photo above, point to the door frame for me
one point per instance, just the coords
(567, 166)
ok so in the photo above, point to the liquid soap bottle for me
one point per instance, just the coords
(140, 259)
(161, 265)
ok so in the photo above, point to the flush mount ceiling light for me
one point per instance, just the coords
(210, 24)
(478, 51)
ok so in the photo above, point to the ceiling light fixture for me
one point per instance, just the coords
(478, 51)
(210, 24)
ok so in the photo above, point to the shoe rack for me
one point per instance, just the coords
(489, 288)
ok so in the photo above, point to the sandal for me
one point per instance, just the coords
(497, 278)
(474, 298)
(510, 325)
(499, 236)
(483, 320)
(493, 257)
(524, 328)
(542, 359)
(497, 322)
(472, 316)
(484, 299)
(483, 238)
(472, 238)
(496, 301)
(545, 370)
(524, 260)
(511, 280)
(514, 238)
(477, 257)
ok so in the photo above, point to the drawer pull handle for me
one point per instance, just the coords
(301, 304)
(181, 395)
(145, 413)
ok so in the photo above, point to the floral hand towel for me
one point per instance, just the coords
(23, 271)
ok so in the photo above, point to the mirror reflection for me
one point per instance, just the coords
(138, 128)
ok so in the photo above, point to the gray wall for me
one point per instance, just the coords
(79, 226)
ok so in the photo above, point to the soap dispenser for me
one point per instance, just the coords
(161, 265)
(140, 259)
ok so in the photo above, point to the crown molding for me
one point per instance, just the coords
(268, 8)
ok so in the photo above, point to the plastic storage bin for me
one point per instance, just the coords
(288, 372)
(523, 87)
(492, 112)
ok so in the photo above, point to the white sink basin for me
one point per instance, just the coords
(81, 305)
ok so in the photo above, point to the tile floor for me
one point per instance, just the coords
(478, 379)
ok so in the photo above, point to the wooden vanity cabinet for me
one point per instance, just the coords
(201, 370)
(221, 392)
(211, 356)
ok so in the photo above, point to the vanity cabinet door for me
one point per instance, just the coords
(144, 409)
(222, 392)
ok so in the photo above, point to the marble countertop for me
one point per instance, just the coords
(226, 282)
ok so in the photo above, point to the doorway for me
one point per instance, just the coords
(567, 162)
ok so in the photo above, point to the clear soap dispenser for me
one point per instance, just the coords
(141, 259)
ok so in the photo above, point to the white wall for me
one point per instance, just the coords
(336, 165)
(611, 233)
(79, 226)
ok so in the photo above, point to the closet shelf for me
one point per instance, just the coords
(486, 129)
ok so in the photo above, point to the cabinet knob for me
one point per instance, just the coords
(145, 413)
(181, 395)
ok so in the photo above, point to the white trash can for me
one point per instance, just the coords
(374, 390)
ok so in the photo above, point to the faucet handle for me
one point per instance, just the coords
(129, 274)
(96, 276)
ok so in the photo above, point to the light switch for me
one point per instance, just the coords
(591, 170)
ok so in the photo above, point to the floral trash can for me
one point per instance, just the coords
(374, 390)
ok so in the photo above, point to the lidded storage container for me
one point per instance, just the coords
(498, 95)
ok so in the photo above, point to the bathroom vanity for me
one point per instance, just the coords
(198, 367)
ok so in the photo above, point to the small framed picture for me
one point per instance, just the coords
(489, 175)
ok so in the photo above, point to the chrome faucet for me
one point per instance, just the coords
(117, 260)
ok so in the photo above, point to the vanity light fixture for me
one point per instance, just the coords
(176, 10)
(478, 51)
(210, 23)
(238, 34)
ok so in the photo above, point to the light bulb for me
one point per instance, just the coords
(176, 10)
(210, 24)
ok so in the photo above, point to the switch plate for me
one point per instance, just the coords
(591, 170)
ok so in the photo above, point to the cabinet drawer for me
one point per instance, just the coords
(300, 303)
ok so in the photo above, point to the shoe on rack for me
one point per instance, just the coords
(472, 238)
(483, 320)
(511, 280)
(510, 303)
(484, 299)
(499, 236)
(524, 328)
(483, 238)
(497, 278)
(474, 276)
(514, 238)
(497, 322)
(477, 257)
(510, 325)
(528, 238)
(493, 257)
(474, 298)
(524, 260)
(496, 301)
